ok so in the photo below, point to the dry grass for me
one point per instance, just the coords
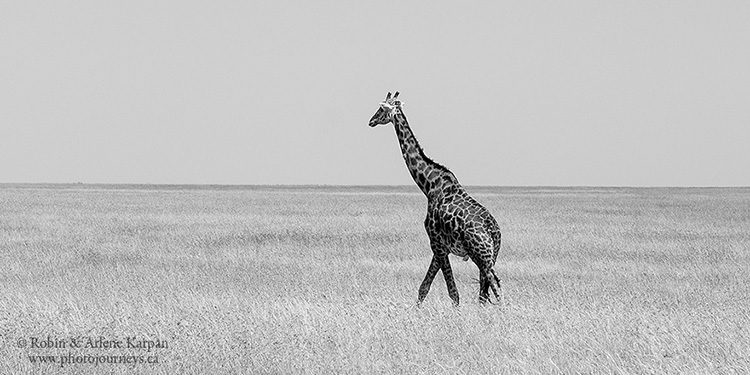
(324, 280)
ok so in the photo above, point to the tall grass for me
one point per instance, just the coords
(324, 280)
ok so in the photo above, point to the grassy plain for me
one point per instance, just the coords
(324, 280)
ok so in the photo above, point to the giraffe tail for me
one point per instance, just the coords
(496, 241)
(494, 282)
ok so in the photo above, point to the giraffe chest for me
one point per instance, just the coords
(447, 236)
(457, 249)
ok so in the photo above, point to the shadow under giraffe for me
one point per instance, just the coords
(455, 223)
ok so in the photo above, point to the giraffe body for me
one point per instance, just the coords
(455, 223)
(458, 223)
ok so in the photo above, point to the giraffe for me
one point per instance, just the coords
(455, 223)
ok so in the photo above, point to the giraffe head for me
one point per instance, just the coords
(387, 110)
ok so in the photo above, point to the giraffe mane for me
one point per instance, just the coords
(428, 160)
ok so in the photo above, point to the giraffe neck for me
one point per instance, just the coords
(431, 177)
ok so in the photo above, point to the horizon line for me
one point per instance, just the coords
(208, 185)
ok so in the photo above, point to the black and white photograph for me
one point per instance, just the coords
(374, 187)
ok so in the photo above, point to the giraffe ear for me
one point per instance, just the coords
(395, 95)
(388, 97)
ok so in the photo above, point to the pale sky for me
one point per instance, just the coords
(635, 93)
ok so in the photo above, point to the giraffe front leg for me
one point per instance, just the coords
(431, 272)
(449, 282)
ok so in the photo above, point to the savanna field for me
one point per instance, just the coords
(324, 280)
